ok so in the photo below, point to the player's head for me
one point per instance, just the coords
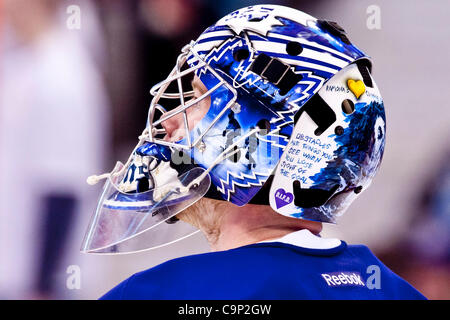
(272, 106)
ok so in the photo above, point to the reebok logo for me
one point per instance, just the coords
(335, 279)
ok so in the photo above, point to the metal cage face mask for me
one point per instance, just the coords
(187, 99)
(162, 178)
(240, 139)
(140, 199)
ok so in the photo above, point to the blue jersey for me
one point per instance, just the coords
(271, 270)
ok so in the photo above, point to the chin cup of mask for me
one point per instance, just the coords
(129, 221)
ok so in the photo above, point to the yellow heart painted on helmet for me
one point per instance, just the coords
(357, 87)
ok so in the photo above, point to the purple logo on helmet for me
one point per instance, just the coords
(283, 198)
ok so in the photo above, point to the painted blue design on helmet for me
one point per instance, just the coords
(259, 99)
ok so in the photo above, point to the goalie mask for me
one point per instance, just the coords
(293, 119)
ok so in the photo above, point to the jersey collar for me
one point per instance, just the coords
(305, 239)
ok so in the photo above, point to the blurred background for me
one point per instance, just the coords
(74, 94)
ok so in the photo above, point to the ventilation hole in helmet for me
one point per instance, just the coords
(320, 112)
(294, 48)
(289, 80)
(364, 69)
(235, 156)
(348, 106)
(318, 131)
(241, 54)
(264, 125)
(358, 189)
(260, 63)
(275, 71)
(339, 130)
(309, 198)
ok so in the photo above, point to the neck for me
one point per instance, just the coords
(239, 226)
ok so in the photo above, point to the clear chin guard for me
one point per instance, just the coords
(126, 222)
